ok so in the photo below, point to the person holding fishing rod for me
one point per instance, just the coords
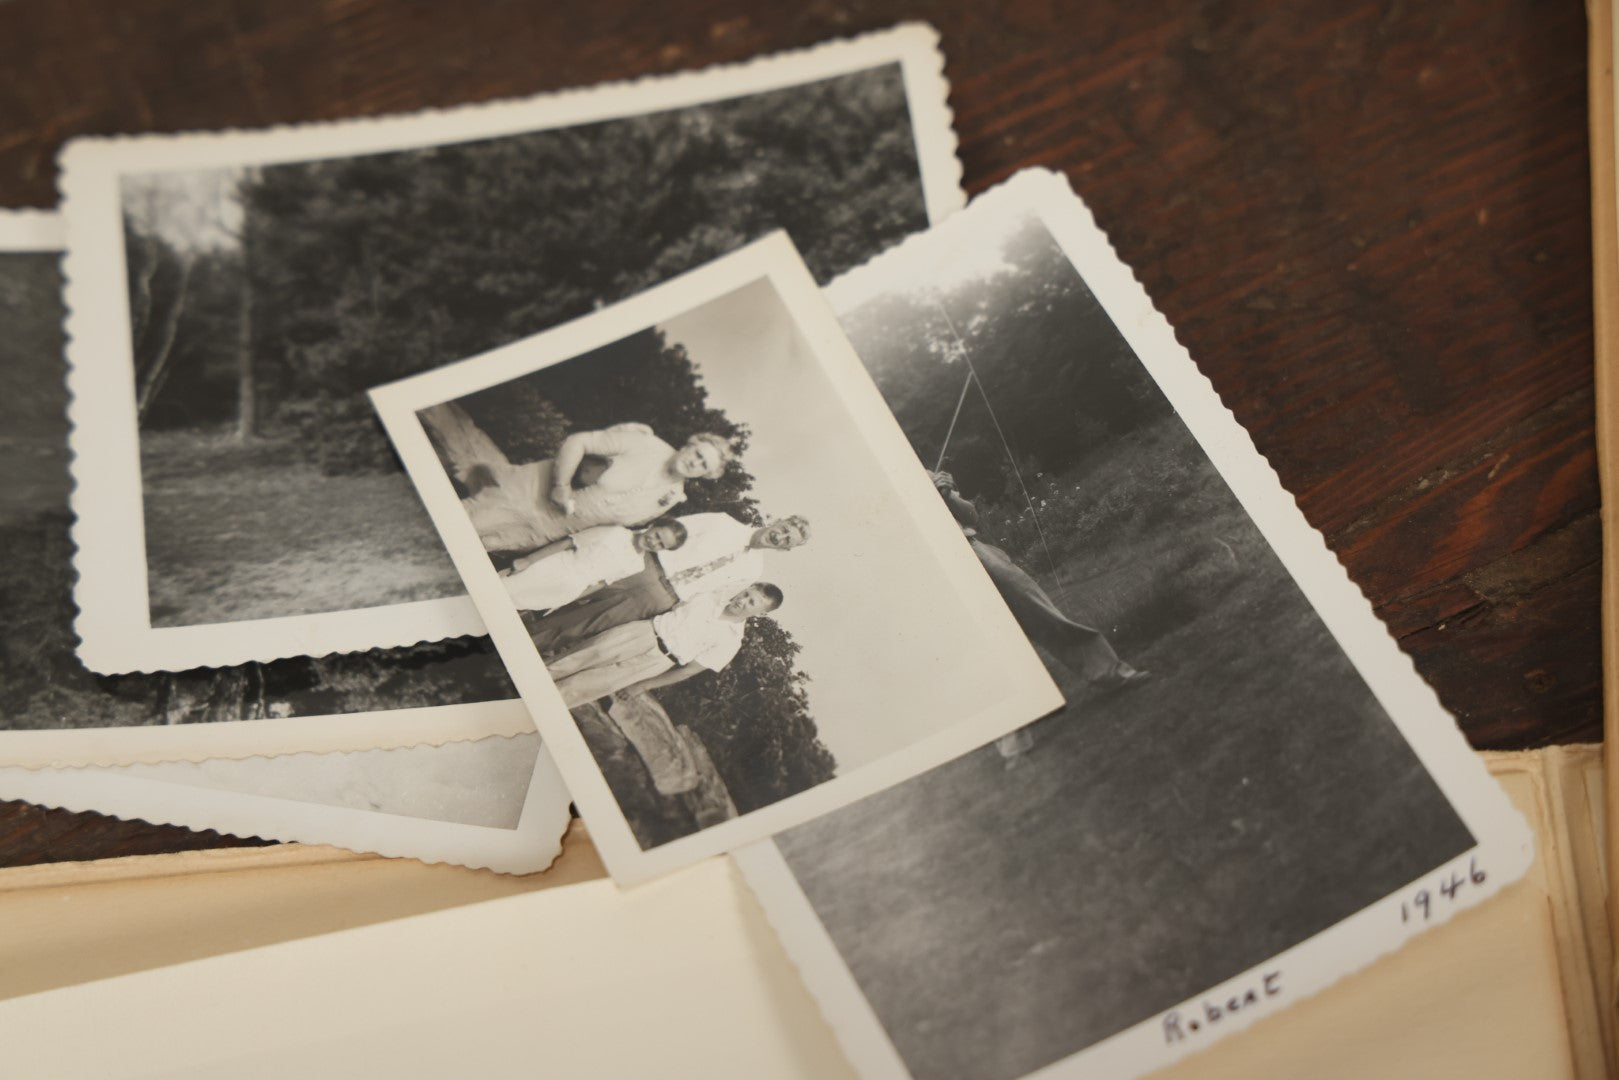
(1081, 648)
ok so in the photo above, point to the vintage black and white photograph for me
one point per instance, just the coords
(1249, 793)
(233, 296)
(717, 573)
(55, 711)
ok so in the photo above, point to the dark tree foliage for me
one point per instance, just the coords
(754, 718)
(183, 325)
(370, 268)
(1058, 379)
(42, 683)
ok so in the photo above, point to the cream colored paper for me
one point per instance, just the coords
(495, 803)
(676, 978)
(667, 980)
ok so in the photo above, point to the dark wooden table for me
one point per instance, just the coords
(1368, 221)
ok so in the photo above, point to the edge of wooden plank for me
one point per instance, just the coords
(1605, 318)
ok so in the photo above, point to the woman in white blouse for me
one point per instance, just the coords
(621, 475)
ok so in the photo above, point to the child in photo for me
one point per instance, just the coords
(566, 569)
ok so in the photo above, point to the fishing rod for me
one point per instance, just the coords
(1000, 433)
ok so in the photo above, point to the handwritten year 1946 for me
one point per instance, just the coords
(1423, 901)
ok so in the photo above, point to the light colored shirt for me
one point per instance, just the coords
(697, 632)
(606, 553)
(600, 553)
(715, 558)
(635, 487)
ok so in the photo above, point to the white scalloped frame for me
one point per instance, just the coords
(23, 231)
(320, 809)
(27, 232)
(114, 624)
(1504, 845)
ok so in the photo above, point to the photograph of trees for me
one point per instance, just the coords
(42, 683)
(266, 300)
(748, 731)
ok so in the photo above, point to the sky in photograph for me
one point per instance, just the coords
(195, 210)
(883, 633)
(938, 261)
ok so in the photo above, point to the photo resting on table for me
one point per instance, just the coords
(55, 711)
(233, 295)
(233, 748)
(1250, 792)
(727, 591)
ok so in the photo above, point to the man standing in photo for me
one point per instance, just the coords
(701, 634)
(720, 555)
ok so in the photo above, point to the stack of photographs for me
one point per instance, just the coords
(757, 498)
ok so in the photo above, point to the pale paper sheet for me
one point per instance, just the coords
(72, 923)
(959, 678)
(494, 803)
(115, 622)
(697, 985)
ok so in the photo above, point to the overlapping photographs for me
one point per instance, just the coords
(494, 804)
(53, 711)
(720, 579)
(498, 803)
(233, 295)
(1250, 792)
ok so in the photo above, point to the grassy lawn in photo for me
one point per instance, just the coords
(221, 546)
(1003, 913)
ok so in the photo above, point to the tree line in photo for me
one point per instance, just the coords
(752, 713)
(320, 280)
(256, 334)
(1015, 386)
(43, 685)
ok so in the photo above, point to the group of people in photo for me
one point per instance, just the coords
(633, 597)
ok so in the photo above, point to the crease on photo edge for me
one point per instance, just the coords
(238, 825)
(909, 37)
(1445, 739)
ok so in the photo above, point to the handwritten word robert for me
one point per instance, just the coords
(1177, 1027)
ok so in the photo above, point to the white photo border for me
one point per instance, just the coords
(114, 623)
(529, 847)
(23, 231)
(1030, 694)
(1504, 846)
(40, 231)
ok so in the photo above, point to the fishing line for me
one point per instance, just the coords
(972, 377)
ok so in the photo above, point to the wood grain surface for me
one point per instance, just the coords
(1369, 223)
